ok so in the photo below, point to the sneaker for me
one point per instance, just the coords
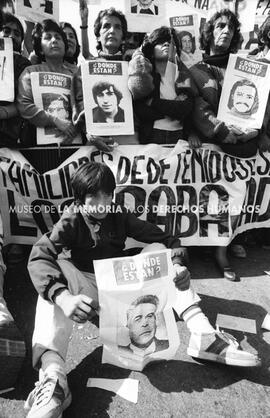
(220, 347)
(47, 399)
(266, 322)
(238, 251)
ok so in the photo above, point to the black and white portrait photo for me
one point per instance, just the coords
(107, 98)
(144, 7)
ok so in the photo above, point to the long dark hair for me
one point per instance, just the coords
(74, 59)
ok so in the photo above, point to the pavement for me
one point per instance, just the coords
(181, 387)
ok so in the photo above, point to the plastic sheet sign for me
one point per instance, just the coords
(136, 295)
(37, 10)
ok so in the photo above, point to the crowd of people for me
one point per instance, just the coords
(170, 102)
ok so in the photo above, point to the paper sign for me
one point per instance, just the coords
(237, 323)
(107, 99)
(6, 70)
(187, 29)
(126, 388)
(51, 92)
(137, 324)
(245, 93)
(37, 10)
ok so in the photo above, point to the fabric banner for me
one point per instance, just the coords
(36, 10)
(51, 92)
(6, 70)
(245, 93)
(203, 196)
(141, 328)
(107, 99)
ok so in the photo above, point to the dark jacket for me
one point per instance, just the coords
(71, 232)
(100, 117)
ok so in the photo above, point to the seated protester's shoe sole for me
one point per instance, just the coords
(230, 275)
(238, 251)
(220, 347)
(47, 399)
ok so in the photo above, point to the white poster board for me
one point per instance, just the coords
(136, 295)
(187, 29)
(37, 10)
(6, 70)
(146, 18)
(51, 92)
(245, 93)
(107, 99)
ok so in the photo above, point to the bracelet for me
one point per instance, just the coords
(84, 27)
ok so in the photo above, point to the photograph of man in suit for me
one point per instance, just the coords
(107, 98)
(142, 326)
(145, 7)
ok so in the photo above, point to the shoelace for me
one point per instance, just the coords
(227, 337)
(42, 391)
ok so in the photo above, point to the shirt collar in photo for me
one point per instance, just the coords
(142, 352)
(152, 8)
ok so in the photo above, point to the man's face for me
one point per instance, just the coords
(222, 34)
(243, 98)
(186, 44)
(142, 325)
(97, 205)
(145, 3)
(11, 30)
(111, 34)
(57, 109)
(107, 101)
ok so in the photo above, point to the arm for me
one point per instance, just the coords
(84, 27)
(45, 273)
(140, 80)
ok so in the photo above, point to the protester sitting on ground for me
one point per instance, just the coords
(95, 228)
(50, 44)
(110, 29)
(161, 115)
(72, 53)
(220, 37)
(10, 121)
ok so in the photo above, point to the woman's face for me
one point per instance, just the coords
(72, 43)
(52, 45)
(111, 34)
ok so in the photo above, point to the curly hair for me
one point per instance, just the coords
(263, 34)
(206, 36)
(46, 26)
(109, 12)
(99, 87)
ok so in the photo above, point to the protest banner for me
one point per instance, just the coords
(187, 29)
(107, 99)
(144, 18)
(141, 328)
(51, 92)
(204, 197)
(36, 10)
(245, 93)
(6, 70)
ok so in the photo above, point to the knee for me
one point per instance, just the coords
(155, 246)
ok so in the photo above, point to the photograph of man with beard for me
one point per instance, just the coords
(107, 98)
(142, 327)
(57, 105)
(244, 100)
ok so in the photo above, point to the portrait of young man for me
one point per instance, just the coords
(243, 100)
(107, 97)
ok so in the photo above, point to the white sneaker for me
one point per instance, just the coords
(220, 347)
(48, 399)
(266, 322)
